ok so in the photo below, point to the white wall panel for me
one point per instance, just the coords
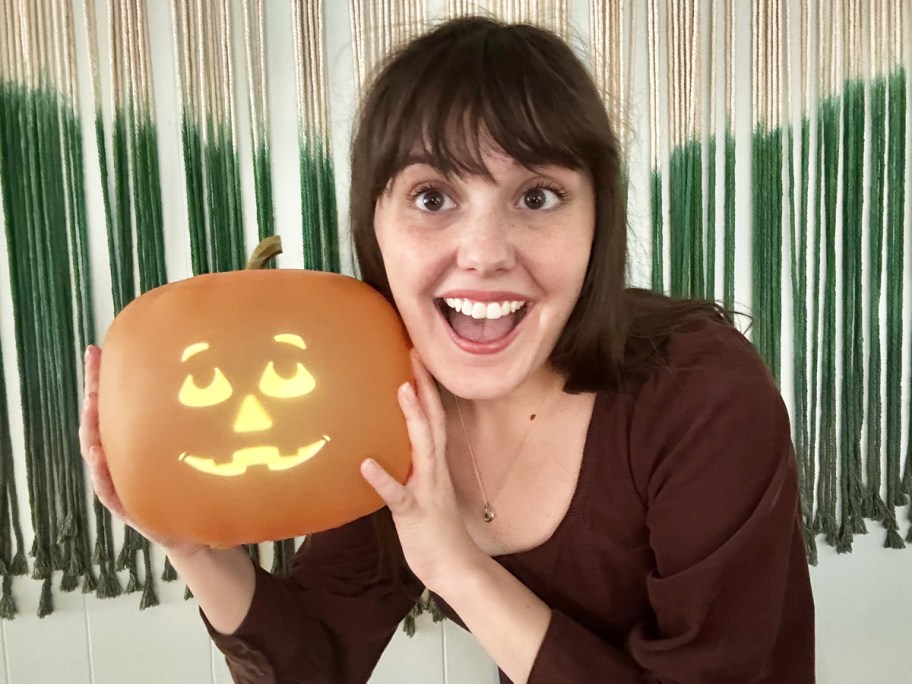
(220, 674)
(862, 601)
(53, 649)
(464, 659)
(413, 659)
(167, 643)
(3, 677)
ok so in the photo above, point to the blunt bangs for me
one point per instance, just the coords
(487, 87)
(474, 86)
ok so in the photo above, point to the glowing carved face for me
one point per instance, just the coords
(252, 417)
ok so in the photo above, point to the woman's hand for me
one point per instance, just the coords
(94, 456)
(434, 539)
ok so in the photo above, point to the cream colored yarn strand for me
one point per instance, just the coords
(318, 202)
(655, 45)
(611, 24)
(553, 15)
(683, 19)
(255, 68)
(380, 26)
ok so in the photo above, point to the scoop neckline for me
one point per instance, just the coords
(578, 493)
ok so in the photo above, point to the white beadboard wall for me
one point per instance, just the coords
(863, 599)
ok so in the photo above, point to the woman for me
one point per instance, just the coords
(603, 485)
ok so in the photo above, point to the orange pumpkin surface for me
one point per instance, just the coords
(237, 407)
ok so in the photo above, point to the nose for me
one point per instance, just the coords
(252, 417)
(486, 244)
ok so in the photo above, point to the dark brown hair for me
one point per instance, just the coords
(475, 83)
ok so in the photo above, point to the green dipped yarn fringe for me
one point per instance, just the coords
(423, 605)
(658, 234)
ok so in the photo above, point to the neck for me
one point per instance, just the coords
(515, 408)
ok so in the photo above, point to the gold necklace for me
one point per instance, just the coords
(487, 513)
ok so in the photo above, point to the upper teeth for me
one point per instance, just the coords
(489, 310)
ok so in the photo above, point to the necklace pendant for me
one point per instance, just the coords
(488, 513)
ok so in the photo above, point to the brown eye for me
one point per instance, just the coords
(541, 197)
(535, 198)
(432, 200)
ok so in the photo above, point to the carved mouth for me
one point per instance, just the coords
(242, 459)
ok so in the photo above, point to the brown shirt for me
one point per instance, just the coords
(679, 561)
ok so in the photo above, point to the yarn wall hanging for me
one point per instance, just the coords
(827, 87)
(44, 217)
(828, 118)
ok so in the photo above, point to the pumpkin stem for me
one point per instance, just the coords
(267, 249)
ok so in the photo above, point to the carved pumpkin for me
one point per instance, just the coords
(237, 407)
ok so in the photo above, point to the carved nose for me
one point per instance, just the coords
(252, 417)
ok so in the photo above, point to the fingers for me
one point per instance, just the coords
(92, 365)
(419, 430)
(90, 438)
(430, 401)
(102, 482)
(395, 495)
(89, 435)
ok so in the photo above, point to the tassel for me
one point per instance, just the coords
(168, 574)
(7, 604)
(46, 602)
(41, 568)
(133, 582)
(108, 586)
(108, 583)
(149, 597)
(19, 565)
(873, 506)
(409, 625)
(89, 583)
(844, 539)
(893, 540)
(810, 548)
(436, 614)
(7, 607)
(828, 527)
(58, 562)
(69, 582)
(75, 565)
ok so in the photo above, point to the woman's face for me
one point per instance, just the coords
(485, 274)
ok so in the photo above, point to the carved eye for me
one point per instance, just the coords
(274, 385)
(217, 391)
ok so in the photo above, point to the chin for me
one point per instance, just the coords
(478, 381)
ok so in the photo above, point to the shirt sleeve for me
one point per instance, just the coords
(710, 454)
(328, 621)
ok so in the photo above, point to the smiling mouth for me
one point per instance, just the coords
(242, 459)
(482, 322)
